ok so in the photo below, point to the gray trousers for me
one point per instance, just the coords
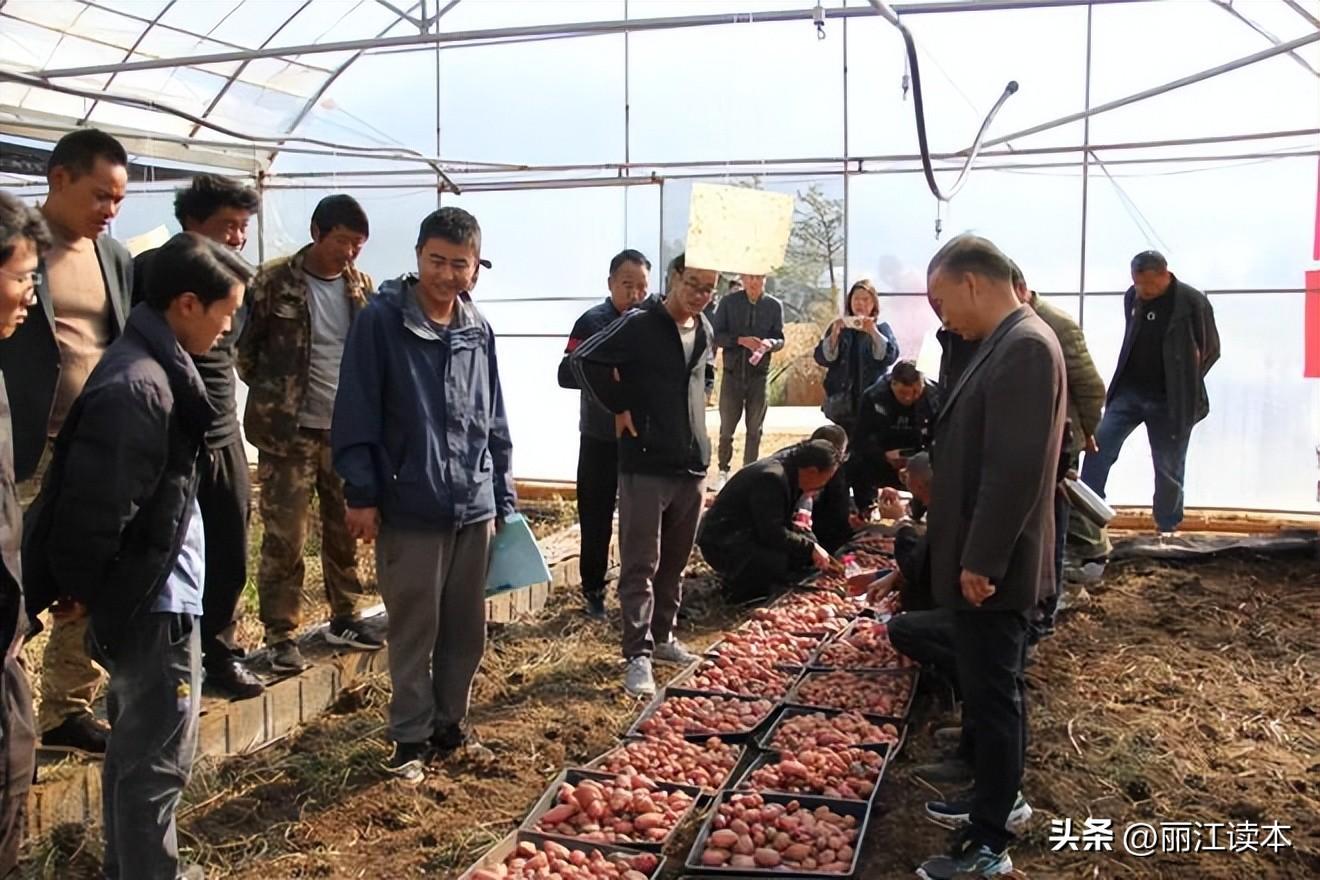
(153, 700)
(434, 586)
(658, 519)
(741, 392)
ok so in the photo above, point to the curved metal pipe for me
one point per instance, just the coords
(919, 105)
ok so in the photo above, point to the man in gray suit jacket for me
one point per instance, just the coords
(83, 288)
(991, 533)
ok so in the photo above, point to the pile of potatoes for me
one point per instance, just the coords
(851, 774)
(629, 809)
(738, 675)
(747, 832)
(699, 715)
(670, 758)
(821, 731)
(530, 861)
(764, 644)
(876, 693)
(865, 646)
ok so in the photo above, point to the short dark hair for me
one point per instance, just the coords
(629, 255)
(971, 253)
(831, 433)
(905, 373)
(678, 264)
(1015, 274)
(919, 466)
(209, 193)
(1149, 261)
(821, 455)
(453, 225)
(340, 210)
(192, 263)
(78, 151)
(18, 221)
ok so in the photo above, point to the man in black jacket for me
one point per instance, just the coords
(650, 369)
(83, 288)
(1170, 344)
(833, 519)
(23, 236)
(598, 450)
(117, 528)
(991, 532)
(896, 417)
(219, 209)
(748, 536)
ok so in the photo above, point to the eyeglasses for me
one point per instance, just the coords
(703, 289)
(33, 278)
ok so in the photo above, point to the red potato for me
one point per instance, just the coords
(531, 861)
(877, 693)
(764, 643)
(819, 731)
(838, 773)
(872, 559)
(689, 715)
(670, 758)
(890, 604)
(628, 809)
(842, 605)
(738, 675)
(801, 618)
(865, 646)
(796, 839)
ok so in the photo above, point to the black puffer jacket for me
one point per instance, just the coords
(665, 393)
(113, 510)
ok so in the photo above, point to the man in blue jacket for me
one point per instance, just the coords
(1170, 344)
(117, 528)
(598, 452)
(421, 440)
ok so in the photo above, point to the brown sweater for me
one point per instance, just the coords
(82, 318)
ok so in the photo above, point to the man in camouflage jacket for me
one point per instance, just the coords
(289, 355)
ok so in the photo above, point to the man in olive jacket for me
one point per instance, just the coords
(1170, 345)
(991, 533)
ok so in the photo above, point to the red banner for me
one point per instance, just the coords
(1312, 344)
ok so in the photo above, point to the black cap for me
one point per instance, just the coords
(1149, 261)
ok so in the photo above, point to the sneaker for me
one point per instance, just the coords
(192, 872)
(721, 480)
(638, 680)
(82, 733)
(967, 859)
(957, 814)
(673, 651)
(948, 771)
(948, 738)
(454, 737)
(408, 762)
(351, 632)
(594, 607)
(1086, 573)
(234, 680)
(285, 657)
(1071, 598)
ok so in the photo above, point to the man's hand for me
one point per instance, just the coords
(881, 587)
(824, 561)
(68, 609)
(1091, 445)
(855, 522)
(976, 588)
(363, 523)
(751, 343)
(623, 422)
(891, 505)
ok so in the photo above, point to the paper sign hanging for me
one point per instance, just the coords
(736, 229)
(147, 240)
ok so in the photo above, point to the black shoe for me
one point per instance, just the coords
(81, 733)
(594, 607)
(351, 632)
(234, 680)
(408, 762)
(285, 657)
(453, 737)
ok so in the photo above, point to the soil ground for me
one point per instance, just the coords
(1181, 693)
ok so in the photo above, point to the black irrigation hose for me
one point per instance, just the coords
(919, 105)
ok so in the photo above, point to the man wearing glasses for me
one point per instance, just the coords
(650, 369)
(83, 295)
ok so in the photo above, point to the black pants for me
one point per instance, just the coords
(927, 637)
(224, 495)
(867, 475)
(17, 758)
(748, 571)
(597, 490)
(991, 650)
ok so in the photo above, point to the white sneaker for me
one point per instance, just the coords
(721, 480)
(638, 680)
(673, 651)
